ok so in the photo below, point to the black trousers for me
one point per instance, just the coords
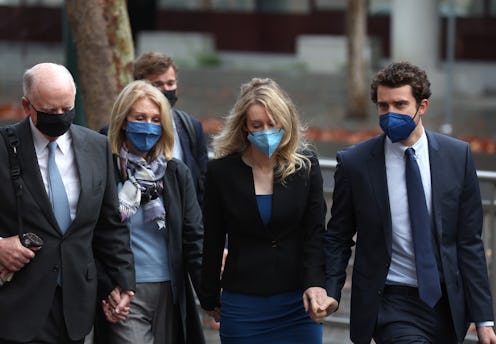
(404, 318)
(54, 331)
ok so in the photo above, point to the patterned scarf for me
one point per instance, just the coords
(142, 187)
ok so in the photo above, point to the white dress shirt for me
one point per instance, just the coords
(177, 151)
(402, 269)
(66, 164)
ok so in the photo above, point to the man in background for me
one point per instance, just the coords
(190, 144)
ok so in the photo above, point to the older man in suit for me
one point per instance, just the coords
(69, 200)
(411, 197)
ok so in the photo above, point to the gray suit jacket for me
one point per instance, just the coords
(95, 232)
(361, 207)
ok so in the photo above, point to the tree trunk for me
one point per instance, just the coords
(356, 24)
(105, 53)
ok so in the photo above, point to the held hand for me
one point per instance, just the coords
(13, 256)
(318, 304)
(108, 311)
(312, 297)
(486, 335)
(327, 306)
(116, 307)
(215, 313)
(114, 297)
(123, 305)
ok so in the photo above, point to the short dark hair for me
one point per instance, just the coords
(152, 63)
(399, 74)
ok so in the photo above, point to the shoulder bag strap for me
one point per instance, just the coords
(12, 145)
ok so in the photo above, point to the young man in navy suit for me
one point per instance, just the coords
(391, 300)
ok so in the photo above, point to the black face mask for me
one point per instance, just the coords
(171, 97)
(54, 125)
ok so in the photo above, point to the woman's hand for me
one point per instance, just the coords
(318, 304)
(215, 313)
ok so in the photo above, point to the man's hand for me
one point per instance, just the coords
(116, 307)
(13, 256)
(318, 304)
(486, 335)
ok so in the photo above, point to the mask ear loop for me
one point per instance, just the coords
(416, 113)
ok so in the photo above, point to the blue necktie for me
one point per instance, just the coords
(427, 273)
(58, 196)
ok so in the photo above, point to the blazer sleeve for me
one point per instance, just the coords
(314, 224)
(471, 254)
(192, 231)
(213, 244)
(111, 240)
(338, 238)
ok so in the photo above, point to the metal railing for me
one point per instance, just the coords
(487, 182)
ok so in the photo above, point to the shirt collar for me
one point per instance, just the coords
(398, 149)
(40, 141)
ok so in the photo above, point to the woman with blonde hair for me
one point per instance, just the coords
(264, 192)
(157, 200)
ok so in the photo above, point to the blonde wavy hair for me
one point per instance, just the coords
(133, 92)
(289, 156)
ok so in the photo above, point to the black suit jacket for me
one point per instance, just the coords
(184, 223)
(286, 255)
(95, 232)
(361, 207)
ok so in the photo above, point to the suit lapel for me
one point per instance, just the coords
(84, 162)
(31, 174)
(436, 164)
(376, 166)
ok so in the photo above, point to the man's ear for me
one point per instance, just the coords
(424, 105)
(26, 105)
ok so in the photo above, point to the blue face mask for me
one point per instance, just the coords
(266, 141)
(143, 136)
(397, 126)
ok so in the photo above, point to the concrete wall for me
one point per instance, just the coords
(186, 48)
(329, 54)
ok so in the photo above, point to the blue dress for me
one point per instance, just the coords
(275, 319)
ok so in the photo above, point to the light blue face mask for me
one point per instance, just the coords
(143, 136)
(266, 141)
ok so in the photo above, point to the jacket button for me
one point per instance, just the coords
(55, 268)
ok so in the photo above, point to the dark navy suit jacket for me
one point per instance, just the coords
(361, 207)
(197, 164)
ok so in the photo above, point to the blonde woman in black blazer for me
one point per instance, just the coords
(264, 193)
